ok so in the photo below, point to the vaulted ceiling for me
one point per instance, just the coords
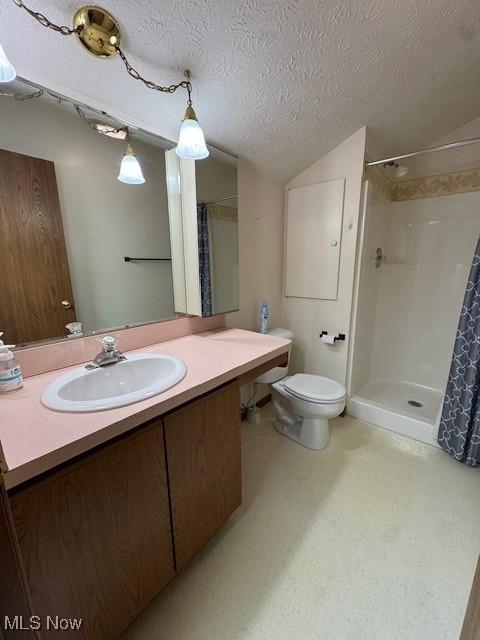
(276, 82)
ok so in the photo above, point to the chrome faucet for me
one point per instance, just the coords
(108, 355)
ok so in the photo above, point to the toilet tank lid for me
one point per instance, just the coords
(281, 333)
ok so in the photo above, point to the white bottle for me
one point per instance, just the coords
(10, 371)
(264, 314)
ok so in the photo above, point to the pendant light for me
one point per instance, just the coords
(7, 72)
(130, 169)
(191, 142)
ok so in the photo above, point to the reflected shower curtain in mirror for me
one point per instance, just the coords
(204, 259)
(459, 431)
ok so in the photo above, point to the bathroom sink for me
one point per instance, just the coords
(137, 378)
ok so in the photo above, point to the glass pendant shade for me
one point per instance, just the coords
(7, 72)
(130, 169)
(191, 143)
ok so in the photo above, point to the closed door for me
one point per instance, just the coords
(204, 468)
(35, 289)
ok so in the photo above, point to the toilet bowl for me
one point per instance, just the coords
(304, 403)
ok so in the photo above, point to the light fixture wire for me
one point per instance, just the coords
(185, 84)
(44, 21)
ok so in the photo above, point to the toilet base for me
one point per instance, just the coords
(313, 433)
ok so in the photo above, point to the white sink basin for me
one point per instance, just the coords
(136, 378)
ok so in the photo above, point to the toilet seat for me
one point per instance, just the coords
(316, 389)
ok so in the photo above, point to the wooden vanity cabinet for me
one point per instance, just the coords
(204, 468)
(99, 537)
(95, 537)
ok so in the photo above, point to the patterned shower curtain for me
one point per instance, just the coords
(459, 431)
(204, 259)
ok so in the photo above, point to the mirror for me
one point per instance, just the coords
(76, 244)
(217, 220)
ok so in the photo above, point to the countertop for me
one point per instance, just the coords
(35, 439)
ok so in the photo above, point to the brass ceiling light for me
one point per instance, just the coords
(99, 34)
(97, 31)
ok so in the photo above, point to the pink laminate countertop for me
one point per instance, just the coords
(35, 439)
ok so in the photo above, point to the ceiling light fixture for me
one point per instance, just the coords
(99, 34)
(130, 169)
(191, 143)
(7, 72)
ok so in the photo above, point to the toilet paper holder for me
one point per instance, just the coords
(341, 336)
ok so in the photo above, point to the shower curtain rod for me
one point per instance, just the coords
(421, 152)
(221, 199)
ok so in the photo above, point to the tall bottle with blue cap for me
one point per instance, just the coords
(264, 315)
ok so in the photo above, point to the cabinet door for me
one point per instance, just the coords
(14, 604)
(96, 537)
(203, 453)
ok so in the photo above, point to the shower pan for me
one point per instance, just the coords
(409, 409)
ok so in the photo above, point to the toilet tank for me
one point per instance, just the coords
(277, 373)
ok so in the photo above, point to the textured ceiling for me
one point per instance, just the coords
(277, 82)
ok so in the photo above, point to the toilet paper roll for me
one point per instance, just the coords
(328, 339)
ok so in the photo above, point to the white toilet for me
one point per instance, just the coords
(304, 403)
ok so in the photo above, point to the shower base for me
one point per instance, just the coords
(408, 409)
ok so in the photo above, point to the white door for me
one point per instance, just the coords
(313, 239)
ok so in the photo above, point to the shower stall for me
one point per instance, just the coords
(416, 243)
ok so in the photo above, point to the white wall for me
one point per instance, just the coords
(215, 179)
(260, 217)
(308, 317)
(431, 243)
(461, 158)
(104, 220)
(224, 262)
(260, 213)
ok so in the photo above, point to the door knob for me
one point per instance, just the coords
(66, 304)
(334, 243)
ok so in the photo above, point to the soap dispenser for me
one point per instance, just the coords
(10, 371)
